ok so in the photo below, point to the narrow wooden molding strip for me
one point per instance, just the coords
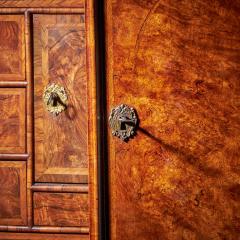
(13, 84)
(14, 229)
(39, 229)
(72, 188)
(83, 230)
(42, 10)
(43, 236)
(29, 119)
(15, 157)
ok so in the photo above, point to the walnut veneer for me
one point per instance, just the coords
(47, 163)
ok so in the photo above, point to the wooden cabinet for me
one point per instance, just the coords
(175, 63)
(47, 159)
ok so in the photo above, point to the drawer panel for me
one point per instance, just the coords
(12, 120)
(12, 47)
(61, 140)
(12, 193)
(61, 209)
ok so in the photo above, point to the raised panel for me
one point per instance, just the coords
(60, 57)
(13, 193)
(61, 209)
(12, 47)
(12, 120)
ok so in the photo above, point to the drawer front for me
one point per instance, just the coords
(13, 193)
(12, 47)
(61, 140)
(61, 209)
(12, 120)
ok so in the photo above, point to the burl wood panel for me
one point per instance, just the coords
(34, 236)
(60, 57)
(12, 120)
(176, 62)
(12, 47)
(13, 193)
(61, 209)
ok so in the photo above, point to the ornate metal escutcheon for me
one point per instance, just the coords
(123, 122)
(55, 98)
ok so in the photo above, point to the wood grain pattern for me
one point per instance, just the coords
(34, 236)
(61, 209)
(72, 188)
(13, 193)
(12, 120)
(177, 63)
(92, 119)
(44, 229)
(60, 57)
(41, 10)
(15, 157)
(42, 4)
(12, 47)
(29, 111)
(16, 84)
(69, 58)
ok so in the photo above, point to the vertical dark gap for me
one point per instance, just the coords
(102, 121)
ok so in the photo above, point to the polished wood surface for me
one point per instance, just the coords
(44, 229)
(12, 47)
(42, 4)
(177, 64)
(61, 209)
(63, 37)
(13, 193)
(34, 236)
(72, 188)
(12, 120)
(11, 156)
(60, 57)
(92, 121)
(29, 117)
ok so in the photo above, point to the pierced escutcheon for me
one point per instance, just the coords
(55, 98)
(123, 122)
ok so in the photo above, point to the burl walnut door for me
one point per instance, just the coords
(47, 120)
(176, 62)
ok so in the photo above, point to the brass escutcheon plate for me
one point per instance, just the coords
(55, 98)
(123, 122)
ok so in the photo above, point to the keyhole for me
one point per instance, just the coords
(123, 126)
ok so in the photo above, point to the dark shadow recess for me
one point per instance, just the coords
(101, 121)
